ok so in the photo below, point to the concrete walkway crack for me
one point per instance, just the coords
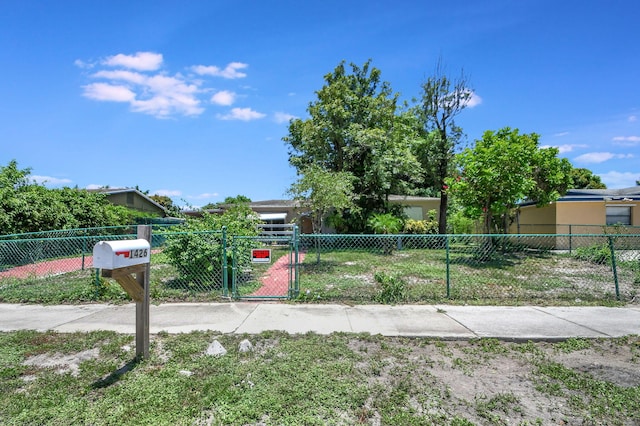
(571, 322)
(235, 330)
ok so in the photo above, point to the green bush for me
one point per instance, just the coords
(599, 254)
(392, 289)
(198, 252)
(458, 223)
(421, 227)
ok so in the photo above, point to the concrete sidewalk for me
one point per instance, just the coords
(440, 321)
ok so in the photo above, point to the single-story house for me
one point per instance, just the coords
(581, 211)
(283, 212)
(133, 199)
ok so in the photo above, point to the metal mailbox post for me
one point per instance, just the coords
(121, 260)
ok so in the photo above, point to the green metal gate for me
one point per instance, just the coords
(265, 267)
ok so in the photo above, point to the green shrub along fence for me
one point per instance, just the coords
(204, 266)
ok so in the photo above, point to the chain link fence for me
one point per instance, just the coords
(570, 229)
(509, 269)
(207, 265)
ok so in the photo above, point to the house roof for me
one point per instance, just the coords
(626, 194)
(411, 198)
(578, 195)
(113, 191)
(275, 203)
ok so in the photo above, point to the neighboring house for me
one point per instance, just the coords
(416, 207)
(133, 199)
(289, 211)
(581, 211)
(281, 212)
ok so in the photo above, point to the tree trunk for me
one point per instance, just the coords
(442, 216)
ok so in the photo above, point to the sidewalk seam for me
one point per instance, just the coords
(536, 308)
(346, 313)
(71, 321)
(235, 330)
(455, 320)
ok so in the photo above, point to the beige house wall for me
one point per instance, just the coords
(581, 213)
(569, 213)
(535, 220)
(425, 204)
(579, 217)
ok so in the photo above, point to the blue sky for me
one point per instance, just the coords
(191, 99)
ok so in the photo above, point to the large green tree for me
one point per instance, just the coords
(504, 168)
(585, 179)
(443, 98)
(353, 128)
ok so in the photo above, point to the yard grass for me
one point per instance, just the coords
(506, 278)
(92, 378)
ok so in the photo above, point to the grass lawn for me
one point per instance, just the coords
(508, 278)
(60, 379)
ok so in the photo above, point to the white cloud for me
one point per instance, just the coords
(562, 149)
(283, 117)
(205, 195)
(614, 179)
(135, 79)
(50, 180)
(223, 97)
(600, 157)
(230, 71)
(474, 100)
(108, 92)
(82, 64)
(244, 114)
(157, 95)
(626, 140)
(632, 119)
(170, 95)
(561, 134)
(94, 186)
(142, 61)
(167, 192)
(127, 76)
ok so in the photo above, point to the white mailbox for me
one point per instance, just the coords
(121, 254)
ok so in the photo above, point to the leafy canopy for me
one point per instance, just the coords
(29, 207)
(353, 128)
(585, 179)
(504, 168)
(321, 192)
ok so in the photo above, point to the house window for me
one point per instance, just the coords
(618, 215)
(414, 212)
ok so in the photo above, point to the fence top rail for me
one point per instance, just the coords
(82, 231)
(261, 237)
(76, 238)
(515, 236)
(581, 225)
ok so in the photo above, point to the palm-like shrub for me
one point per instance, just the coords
(385, 223)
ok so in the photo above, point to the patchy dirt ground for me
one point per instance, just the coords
(483, 381)
(491, 382)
